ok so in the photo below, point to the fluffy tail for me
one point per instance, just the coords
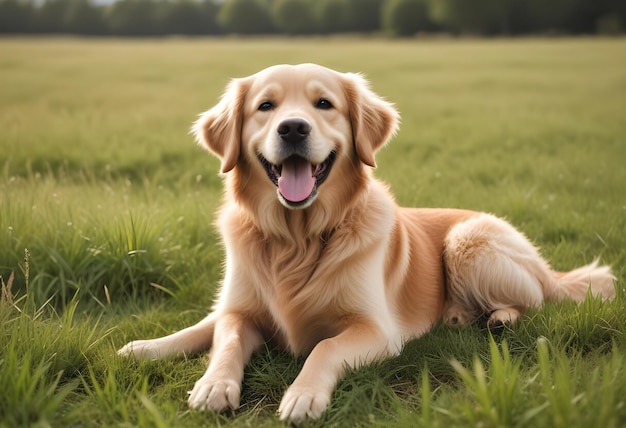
(576, 284)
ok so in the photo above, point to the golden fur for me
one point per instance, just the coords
(319, 257)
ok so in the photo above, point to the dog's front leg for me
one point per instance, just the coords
(190, 340)
(310, 393)
(219, 389)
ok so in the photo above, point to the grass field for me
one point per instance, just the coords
(106, 207)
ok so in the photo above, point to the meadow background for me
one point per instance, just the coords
(106, 210)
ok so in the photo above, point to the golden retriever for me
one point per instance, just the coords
(319, 257)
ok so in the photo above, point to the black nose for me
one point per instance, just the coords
(294, 130)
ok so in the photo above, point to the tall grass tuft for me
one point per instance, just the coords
(33, 393)
(42, 355)
(596, 398)
(495, 392)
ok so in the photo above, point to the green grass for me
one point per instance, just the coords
(103, 186)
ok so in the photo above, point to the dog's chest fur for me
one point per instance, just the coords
(304, 284)
(301, 291)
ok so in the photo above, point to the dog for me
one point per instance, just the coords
(321, 260)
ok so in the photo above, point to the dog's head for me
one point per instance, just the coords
(296, 128)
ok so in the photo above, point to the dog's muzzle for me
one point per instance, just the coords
(297, 179)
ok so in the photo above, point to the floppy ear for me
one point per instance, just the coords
(374, 120)
(219, 129)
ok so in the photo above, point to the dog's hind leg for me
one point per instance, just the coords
(504, 316)
(457, 314)
(492, 269)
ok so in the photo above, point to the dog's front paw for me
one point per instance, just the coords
(141, 349)
(302, 404)
(218, 395)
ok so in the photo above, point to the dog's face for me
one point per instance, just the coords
(297, 127)
(295, 124)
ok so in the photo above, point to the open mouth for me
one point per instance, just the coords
(297, 178)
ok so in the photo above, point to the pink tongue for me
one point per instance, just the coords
(296, 180)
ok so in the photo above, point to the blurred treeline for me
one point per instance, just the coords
(307, 17)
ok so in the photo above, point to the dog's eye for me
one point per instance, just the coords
(266, 105)
(323, 104)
